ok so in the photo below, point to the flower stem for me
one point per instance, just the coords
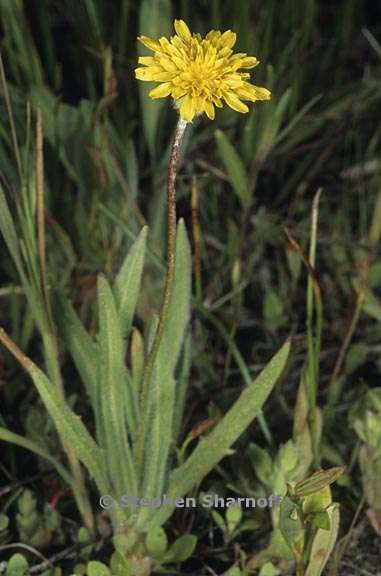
(168, 289)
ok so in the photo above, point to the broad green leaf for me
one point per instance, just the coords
(126, 286)
(181, 549)
(235, 168)
(17, 565)
(324, 543)
(4, 522)
(113, 405)
(8, 436)
(262, 463)
(291, 527)
(95, 568)
(156, 542)
(155, 20)
(216, 446)
(234, 571)
(119, 565)
(82, 348)
(233, 517)
(318, 501)
(269, 569)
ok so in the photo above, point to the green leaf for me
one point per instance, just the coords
(235, 168)
(82, 348)
(181, 549)
(155, 20)
(17, 566)
(156, 542)
(324, 543)
(8, 436)
(320, 520)
(318, 501)
(182, 386)
(119, 565)
(301, 429)
(68, 424)
(274, 120)
(291, 527)
(234, 571)
(214, 447)
(233, 517)
(126, 286)
(269, 569)
(179, 308)
(137, 359)
(8, 230)
(273, 309)
(219, 520)
(262, 463)
(112, 383)
(162, 398)
(4, 522)
(95, 568)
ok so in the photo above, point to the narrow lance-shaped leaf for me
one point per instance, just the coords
(160, 431)
(68, 424)
(83, 349)
(126, 286)
(11, 437)
(213, 448)
(235, 168)
(111, 392)
(179, 308)
(8, 231)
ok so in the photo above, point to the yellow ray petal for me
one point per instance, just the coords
(209, 109)
(187, 108)
(149, 43)
(145, 74)
(161, 91)
(146, 60)
(182, 30)
(262, 93)
(235, 103)
(228, 39)
(249, 62)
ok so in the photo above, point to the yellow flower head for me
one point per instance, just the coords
(199, 73)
